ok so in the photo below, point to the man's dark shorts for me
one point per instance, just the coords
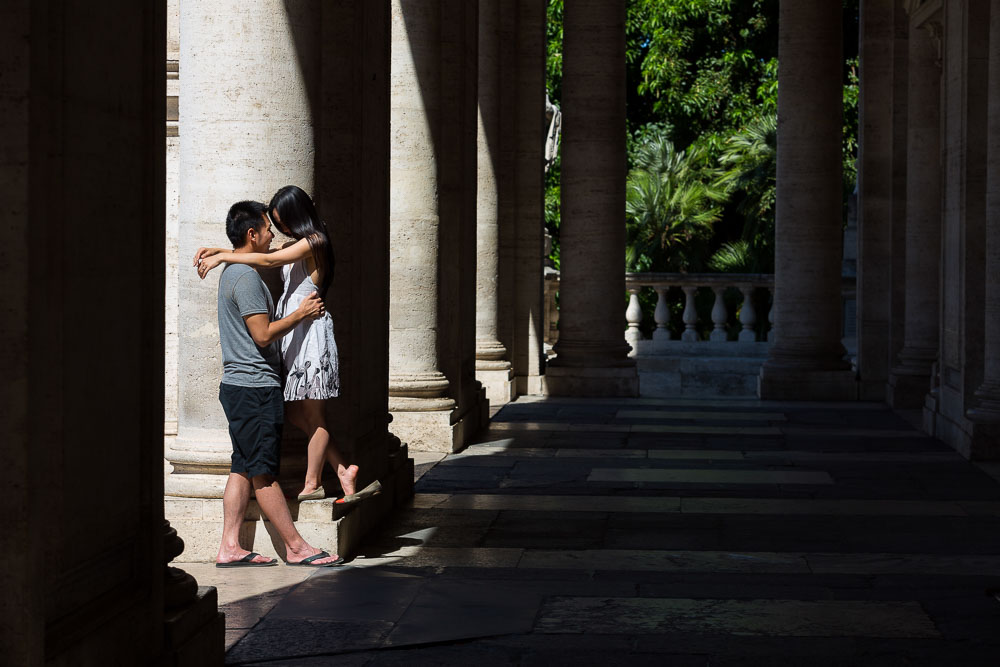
(256, 417)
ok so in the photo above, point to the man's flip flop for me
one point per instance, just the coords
(248, 561)
(308, 562)
(372, 489)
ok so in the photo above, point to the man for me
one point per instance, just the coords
(251, 396)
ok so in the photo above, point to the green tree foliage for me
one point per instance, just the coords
(701, 78)
(672, 200)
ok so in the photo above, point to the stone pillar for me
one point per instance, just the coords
(527, 344)
(246, 129)
(592, 354)
(492, 367)
(986, 413)
(172, 256)
(881, 156)
(965, 40)
(434, 398)
(82, 126)
(521, 190)
(911, 375)
(806, 360)
(353, 194)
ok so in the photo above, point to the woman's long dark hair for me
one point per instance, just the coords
(298, 215)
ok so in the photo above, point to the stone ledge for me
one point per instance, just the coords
(805, 385)
(592, 382)
(322, 523)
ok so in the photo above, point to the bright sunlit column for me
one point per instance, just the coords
(492, 367)
(246, 129)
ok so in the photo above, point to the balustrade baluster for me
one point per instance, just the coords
(690, 314)
(748, 316)
(633, 315)
(770, 317)
(719, 316)
(661, 315)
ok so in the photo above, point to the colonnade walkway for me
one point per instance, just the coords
(657, 531)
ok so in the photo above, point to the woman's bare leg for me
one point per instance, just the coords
(310, 414)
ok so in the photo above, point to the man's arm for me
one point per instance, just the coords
(264, 332)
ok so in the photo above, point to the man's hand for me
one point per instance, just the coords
(311, 307)
(206, 264)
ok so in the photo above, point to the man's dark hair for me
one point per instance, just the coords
(244, 216)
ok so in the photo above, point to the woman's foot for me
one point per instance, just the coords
(348, 476)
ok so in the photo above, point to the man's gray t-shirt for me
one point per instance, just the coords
(242, 293)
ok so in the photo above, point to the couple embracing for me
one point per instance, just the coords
(277, 362)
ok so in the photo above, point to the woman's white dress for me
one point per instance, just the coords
(308, 352)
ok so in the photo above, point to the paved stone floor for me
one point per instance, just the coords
(659, 532)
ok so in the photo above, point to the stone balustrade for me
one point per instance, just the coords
(666, 305)
(689, 284)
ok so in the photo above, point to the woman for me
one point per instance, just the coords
(308, 352)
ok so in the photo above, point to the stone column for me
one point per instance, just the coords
(987, 412)
(910, 378)
(806, 360)
(172, 256)
(527, 344)
(246, 129)
(492, 367)
(434, 405)
(868, 245)
(592, 354)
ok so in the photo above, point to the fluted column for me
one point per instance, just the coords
(591, 351)
(246, 129)
(806, 360)
(492, 367)
(988, 395)
(909, 379)
(432, 254)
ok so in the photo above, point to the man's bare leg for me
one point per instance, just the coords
(234, 507)
(272, 504)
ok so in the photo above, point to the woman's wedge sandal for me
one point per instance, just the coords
(369, 491)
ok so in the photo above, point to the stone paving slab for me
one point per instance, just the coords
(718, 415)
(708, 476)
(792, 618)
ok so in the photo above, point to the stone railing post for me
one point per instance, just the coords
(690, 314)
(748, 316)
(719, 316)
(633, 315)
(661, 315)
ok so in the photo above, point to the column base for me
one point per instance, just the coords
(975, 440)
(582, 381)
(323, 524)
(906, 390)
(806, 385)
(195, 634)
(441, 430)
(499, 385)
(530, 385)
